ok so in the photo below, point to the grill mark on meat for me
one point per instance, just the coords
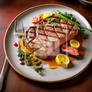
(58, 29)
(43, 37)
(30, 37)
(70, 24)
(32, 29)
(49, 28)
(61, 36)
(32, 46)
(50, 31)
(65, 31)
(59, 32)
(48, 34)
(56, 33)
(41, 32)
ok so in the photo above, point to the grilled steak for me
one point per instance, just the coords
(46, 37)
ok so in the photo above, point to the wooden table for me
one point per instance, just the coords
(14, 82)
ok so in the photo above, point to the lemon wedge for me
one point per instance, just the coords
(47, 14)
(74, 44)
(62, 59)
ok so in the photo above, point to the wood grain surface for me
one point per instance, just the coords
(14, 82)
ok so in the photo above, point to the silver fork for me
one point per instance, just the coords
(18, 28)
(19, 32)
(3, 71)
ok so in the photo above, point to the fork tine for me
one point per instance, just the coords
(18, 31)
(15, 26)
(22, 27)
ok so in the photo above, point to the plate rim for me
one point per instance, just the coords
(20, 73)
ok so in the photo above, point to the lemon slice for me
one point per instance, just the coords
(47, 14)
(62, 59)
(74, 44)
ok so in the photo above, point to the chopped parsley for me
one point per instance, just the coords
(30, 61)
(50, 20)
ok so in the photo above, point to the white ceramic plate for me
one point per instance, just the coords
(51, 75)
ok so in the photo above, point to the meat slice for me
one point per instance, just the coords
(42, 40)
(69, 50)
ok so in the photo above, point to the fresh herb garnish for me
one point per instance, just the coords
(28, 63)
(34, 60)
(50, 20)
(37, 63)
(21, 58)
(27, 59)
(38, 69)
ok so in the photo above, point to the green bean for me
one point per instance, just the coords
(61, 15)
(64, 14)
(28, 63)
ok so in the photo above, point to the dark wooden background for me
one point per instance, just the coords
(14, 82)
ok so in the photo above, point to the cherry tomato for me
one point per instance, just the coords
(22, 62)
(36, 20)
(15, 44)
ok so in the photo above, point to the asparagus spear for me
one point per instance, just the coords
(69, 17)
